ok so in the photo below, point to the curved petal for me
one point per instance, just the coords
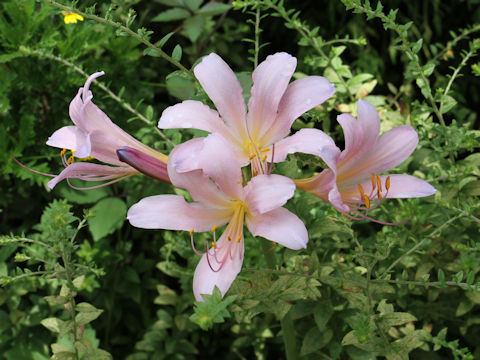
(68, 137)
(193, 114)
(91, 172)
(301, 96)
(308, 141)
(196, 182)
(270, 80)
(264, 193)
(370, 121)
(280, 226)
(217, 160)
(205, 278)
(223, 87)
(172, 212)
(391, 149)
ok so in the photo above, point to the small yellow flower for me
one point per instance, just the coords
(71, 18)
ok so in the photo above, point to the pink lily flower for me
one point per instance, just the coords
(96, 136)
(223, 201)
(273, 106)
(351, 183)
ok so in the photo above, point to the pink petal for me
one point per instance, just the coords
(360, 134)
(193, 114)
(201, 188)
(172, 212)
(91, 172)
(308, 141)
(205, 279)
(223, 87)
(391, 149)
(301, 96)
(280, 226)
(270, 80)
(401, 186)
(68, 137)
(264, 193)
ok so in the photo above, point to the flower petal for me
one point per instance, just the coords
(270, 80)
(195, 181)
(205, 279)
(264, 193)
(172, 212)
(308, 141)
(280, 226)
(301, 96)
(68, 137)
(390, 150)
(223, 87)
(91, 172)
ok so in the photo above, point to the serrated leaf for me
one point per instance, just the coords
(109, 215)
(171, 15)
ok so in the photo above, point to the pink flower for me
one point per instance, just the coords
(273, 106)
(96, 136)
(351, 183)
(221, 199)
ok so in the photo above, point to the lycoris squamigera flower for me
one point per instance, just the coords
(352, 182)
(273, 106)
(71, 18)
(95, 136)
(220, 198)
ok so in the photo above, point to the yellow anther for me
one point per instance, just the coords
(252, 156)
(214, 245)
(387, 183)
(229, 238)
(379, 183)
(255, 172)
(360, 189)
(264, 158)
(265, 150)
(214, 228)
(191, 232)
(374, 184)
(63, 152)
(367, 201)
(71, 160)
(239, 238)
(379, 194)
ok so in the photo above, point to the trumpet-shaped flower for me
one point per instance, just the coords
(221, 199)
(273, 106)
(96, 136)
(351, 183)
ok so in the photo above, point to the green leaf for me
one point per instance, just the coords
(322, 313)
(151, 52)
(315, 340)
(194, 27)
(86, 313)
(52, 324)
(193, 4)
(177, 53)
(166, 296)
(109, 215)
(180, 85)
(448, 102)
(172, 15)
(164, 39)
(417, 46)
(396, 319)
(81, 197)
(214, 8)
(212, 310)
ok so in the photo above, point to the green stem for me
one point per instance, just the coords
(130, 32)
(289, 337)
(286, 323)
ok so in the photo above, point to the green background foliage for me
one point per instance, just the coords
(76, 278)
